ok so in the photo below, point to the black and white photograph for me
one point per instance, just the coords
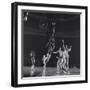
(50, 44)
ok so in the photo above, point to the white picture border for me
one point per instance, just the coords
(32, 80)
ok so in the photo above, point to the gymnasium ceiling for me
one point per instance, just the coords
(68, 23)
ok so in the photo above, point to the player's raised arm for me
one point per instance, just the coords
(63, 44)
(55, 52)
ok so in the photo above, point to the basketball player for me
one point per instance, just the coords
(60, 60)
(32, 57)
(45, 60)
